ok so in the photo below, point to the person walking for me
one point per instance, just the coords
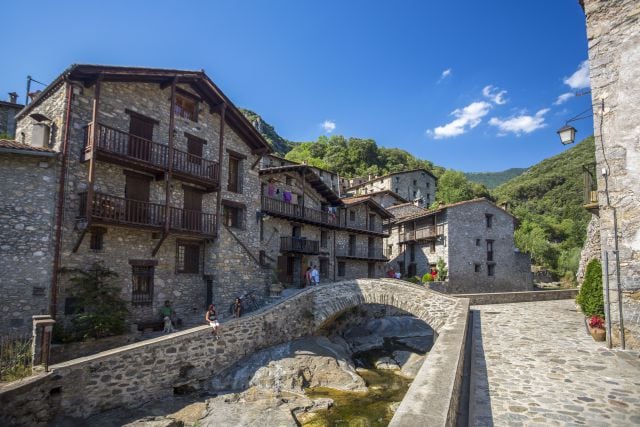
(211, 317)
(307, 277)
(237, 308)
(315, 276)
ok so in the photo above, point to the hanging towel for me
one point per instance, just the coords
(287, 196)
(271, 190)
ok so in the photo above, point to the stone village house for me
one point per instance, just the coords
(8, 111)
(418, 185)
(305, 223)
(474, 238)
(156, 172)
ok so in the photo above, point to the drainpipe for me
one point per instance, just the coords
(60, 206)
(223, 108)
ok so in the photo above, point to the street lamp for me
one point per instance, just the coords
(567, 134)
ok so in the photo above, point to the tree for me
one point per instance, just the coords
(591, 298)
(454, 187)
(100, 310)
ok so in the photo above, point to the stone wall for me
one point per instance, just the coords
(613, 31)
(511, 297)
(27, 209)
(410, 185)
(591, 248)
(467, 246)
(153, 369)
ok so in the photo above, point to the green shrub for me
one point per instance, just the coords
(441, 267)
(413, 279)
(591, 298)
(427, 278)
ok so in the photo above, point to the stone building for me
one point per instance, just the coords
(331, 179)
(474, 238)
(613, 32)
(305, 223)
(158, 181)
(417, 185)
(28, 177)
(8, 111)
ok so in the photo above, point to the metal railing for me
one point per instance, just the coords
(122, 211)
(129, 146)
(299, 244)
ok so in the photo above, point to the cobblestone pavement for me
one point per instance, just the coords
(534, 364)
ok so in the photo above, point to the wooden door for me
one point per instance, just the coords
(285, 269)
(371, 270)
(136, 195)
(192, 214)
(140, 136)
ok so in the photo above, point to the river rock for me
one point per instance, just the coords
(293, 366)
(409, 362)
(386, 363)
(371, 334)
(419, 344)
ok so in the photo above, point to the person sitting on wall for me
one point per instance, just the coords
(398, 275)
(211, 317)
(390, 273)
(307, 277)
(167, 311)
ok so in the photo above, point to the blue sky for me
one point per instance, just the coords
(470, 85)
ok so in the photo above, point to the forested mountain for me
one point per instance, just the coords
(492, 180)
(547, 199)
(280, 145)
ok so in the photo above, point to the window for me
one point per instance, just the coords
(476, 268)
(194, 149)
(341, 268)
(396, 189)
(489, 219)
(324, 268)
(428, 198)
(412, 252)
(142, 284)
(415, 182)
(415, 193)
(491, 269)
(234, 183)
(432, 247)
(187, 258)
(97, 238)
(352, 215)
(288, 180)
(428, 185)
(489, 250)
(324, 239)
(389, 250)
(232, 216)
(477, 242)
(186, 107)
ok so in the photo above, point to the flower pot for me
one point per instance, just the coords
(598, 334)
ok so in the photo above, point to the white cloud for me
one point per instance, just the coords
(520, 124)
(446, 73)
(564, 98)
(579, 79)
(494, 94)
(466, 118)
(328, 126)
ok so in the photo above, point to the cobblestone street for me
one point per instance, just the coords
(535, 364)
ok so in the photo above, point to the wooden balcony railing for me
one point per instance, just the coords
(126, 146)
(361, 252)
(294, 211)
(430, 232)
(129, 212)
(300, 245)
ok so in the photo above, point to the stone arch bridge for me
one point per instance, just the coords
(155, 368)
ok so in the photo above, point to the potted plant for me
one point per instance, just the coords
(596, 328)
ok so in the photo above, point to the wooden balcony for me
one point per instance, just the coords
(370, 253)
(122, 148)
(119, 211)
(299, 245)
(428, 233)
(367, 228)
(279, 208)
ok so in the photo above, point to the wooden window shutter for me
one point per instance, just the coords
(240, 175)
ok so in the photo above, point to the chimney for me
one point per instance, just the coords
(13, 97)
(34, 95)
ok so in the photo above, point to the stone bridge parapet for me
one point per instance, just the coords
(153, 369)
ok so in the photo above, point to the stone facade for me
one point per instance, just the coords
(227, 266)
(8, 111)
(154, 368)
(591, 248)
(415, 185)
(474, 239)
(27, 232)
(613, 31)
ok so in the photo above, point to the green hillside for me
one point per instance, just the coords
(547, 200)
(492, 180)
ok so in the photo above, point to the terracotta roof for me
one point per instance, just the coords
(10, 146)
(441, 208)
(391, 174)
(198, 80)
